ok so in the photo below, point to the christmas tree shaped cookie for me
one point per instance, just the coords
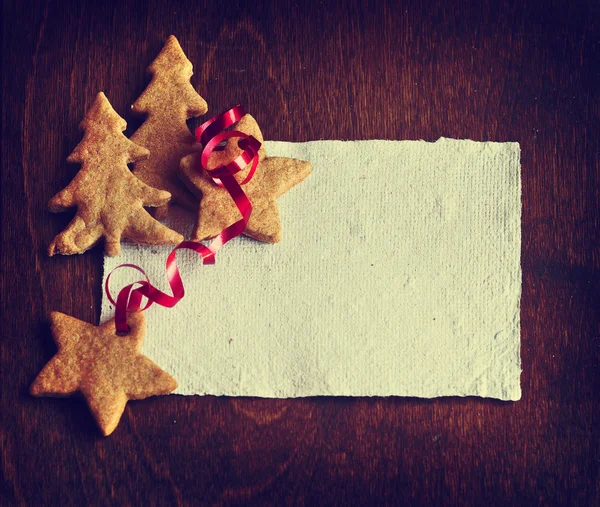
(168, 101)
(273, 177)
(110, 200)
(106, 369)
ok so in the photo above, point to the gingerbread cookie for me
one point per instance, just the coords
(110, 200)
(273, 177)
(168, 101)
(106, 369)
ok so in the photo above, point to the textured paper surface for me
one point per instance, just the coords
(398, 274)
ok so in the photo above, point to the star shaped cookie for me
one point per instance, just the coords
(107, 369)
(274, 176)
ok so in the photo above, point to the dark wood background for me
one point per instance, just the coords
(359, 70)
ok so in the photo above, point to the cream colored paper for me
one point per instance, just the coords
(398, 274)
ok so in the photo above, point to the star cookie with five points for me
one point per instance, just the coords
(105, 368)
(274, 176)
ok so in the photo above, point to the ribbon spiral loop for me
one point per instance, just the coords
(209, 134)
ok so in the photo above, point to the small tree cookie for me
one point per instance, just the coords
(109, 199)
(169, 100)
(274, 176)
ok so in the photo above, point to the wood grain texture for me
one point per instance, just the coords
(501, 71)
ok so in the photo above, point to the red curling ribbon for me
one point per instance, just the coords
(210, 128)
(209, 134)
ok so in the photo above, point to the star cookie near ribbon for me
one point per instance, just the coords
(108, 370)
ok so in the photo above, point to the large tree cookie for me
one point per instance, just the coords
(110, 200)
(168, 101)
(273, 177)
(107, 369)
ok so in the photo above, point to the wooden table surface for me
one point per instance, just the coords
(359, 70)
